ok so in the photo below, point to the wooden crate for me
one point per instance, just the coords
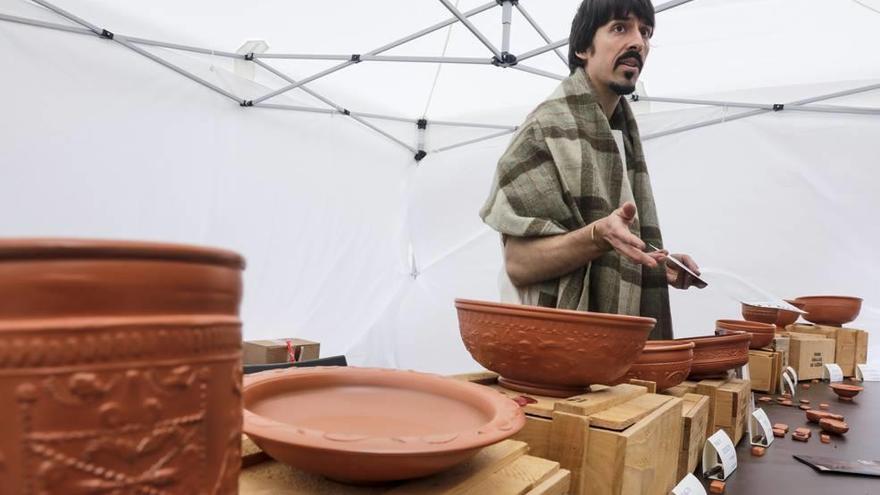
(502, 469)
(614, 440)
(728, 404)
(694, 417)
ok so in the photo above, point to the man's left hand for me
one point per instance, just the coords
(679, 278)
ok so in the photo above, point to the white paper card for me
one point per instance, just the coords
(788, 383)
(719, 447)
(689, 485)
(764, 427)
(868, 373)
(832, 373)
(789, 370)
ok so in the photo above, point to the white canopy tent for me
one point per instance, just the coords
(352, 242)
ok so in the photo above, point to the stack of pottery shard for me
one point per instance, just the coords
(120, 367)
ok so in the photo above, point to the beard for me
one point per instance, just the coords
(622, 89)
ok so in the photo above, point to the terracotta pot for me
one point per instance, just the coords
(665, 362)
(833, 426)
(361, 425)
(779, 317)
(551, 352)
(845, 392)
(830, 310)
(714, 355)
(814, 415)
(762, 333)
(120, 367)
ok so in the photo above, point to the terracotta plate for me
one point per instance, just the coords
(362, 425)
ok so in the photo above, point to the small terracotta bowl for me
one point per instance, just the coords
(552, 352)
(830, 310)
(779, 317)
(714, 355)
(363, 425)
(846, 392)
(665, 362)
(762, 333)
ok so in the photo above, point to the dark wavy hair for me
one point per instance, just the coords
(592, 14)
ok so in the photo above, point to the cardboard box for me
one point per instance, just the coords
(809, 354)
(276, 351)
(847, 352)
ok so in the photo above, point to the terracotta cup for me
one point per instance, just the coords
(553, 352)
(664, 362)
(120, 367)
(830, 310)
(762, 333)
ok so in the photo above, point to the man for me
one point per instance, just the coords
(572, 197)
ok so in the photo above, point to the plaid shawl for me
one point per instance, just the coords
(563, 171)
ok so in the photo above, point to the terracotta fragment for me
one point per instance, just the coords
(786, 402)
(786, 395)
(778, 433)
(765, 399)
(120, 367)
(814, 415)
(716, 486)
(834, 426)
(814, 380)
(844, 391)
(804, 407)
(824, 405)
(781, 426)
(838, 417)
(803, 431)
(805, 386)
(547, 351)
(758, 451)
(805, 401)
(825, 438)
(799, 437)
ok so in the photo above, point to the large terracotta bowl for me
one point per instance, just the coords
(715, 355)
(779, 317)
(762, 333)
(362, 425)
(665, 362)
(830, 310)
(552, 352)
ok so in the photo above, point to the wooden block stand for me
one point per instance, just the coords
(502, 469)
(694, 417)
(728, 404)
(614, 440)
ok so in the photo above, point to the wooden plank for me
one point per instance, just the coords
(558, 484)
(536, 433)
(641, 460)
(709, 389)
(695, 415)
(250, 453)
(481, 377)
(467, 475)
(569, 439)
(600, 399)
(620, 417)
(517, 478)
(274, 478)
(651, 386)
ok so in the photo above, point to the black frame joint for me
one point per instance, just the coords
(778, 106)
(507, 60)
(634, 97)
(422, 123)
(356, 58)
(345, 111)
(420, 154)
(106, 34)
(247, 103)
(249, 56)
(501, 2)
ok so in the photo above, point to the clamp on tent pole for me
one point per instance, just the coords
(422, 126)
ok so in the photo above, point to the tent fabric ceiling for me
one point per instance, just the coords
(265, 181)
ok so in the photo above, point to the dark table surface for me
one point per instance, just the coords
(777, 472)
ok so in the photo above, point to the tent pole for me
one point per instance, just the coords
(543, 49)
(468, 124)
(764, 106)
(377, 58)
(539, 72)
(506, 18)
(377, 51)
(124, 42)
(670, 5)
(476, 32)
(540, 31)
(49, 25)
(834, 109)
(472, 141)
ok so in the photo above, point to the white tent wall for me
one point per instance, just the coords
(99, 142)
(350, 242)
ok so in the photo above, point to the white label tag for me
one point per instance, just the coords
(789, 370)
(719, 447)
(764, 427)
(832, 373)
(867, 373)
(689, 485)
(788, 383)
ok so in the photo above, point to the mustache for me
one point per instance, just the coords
(633, 55)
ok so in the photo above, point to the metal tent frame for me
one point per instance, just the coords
(500, 58)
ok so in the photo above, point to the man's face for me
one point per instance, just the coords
(618, 54)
